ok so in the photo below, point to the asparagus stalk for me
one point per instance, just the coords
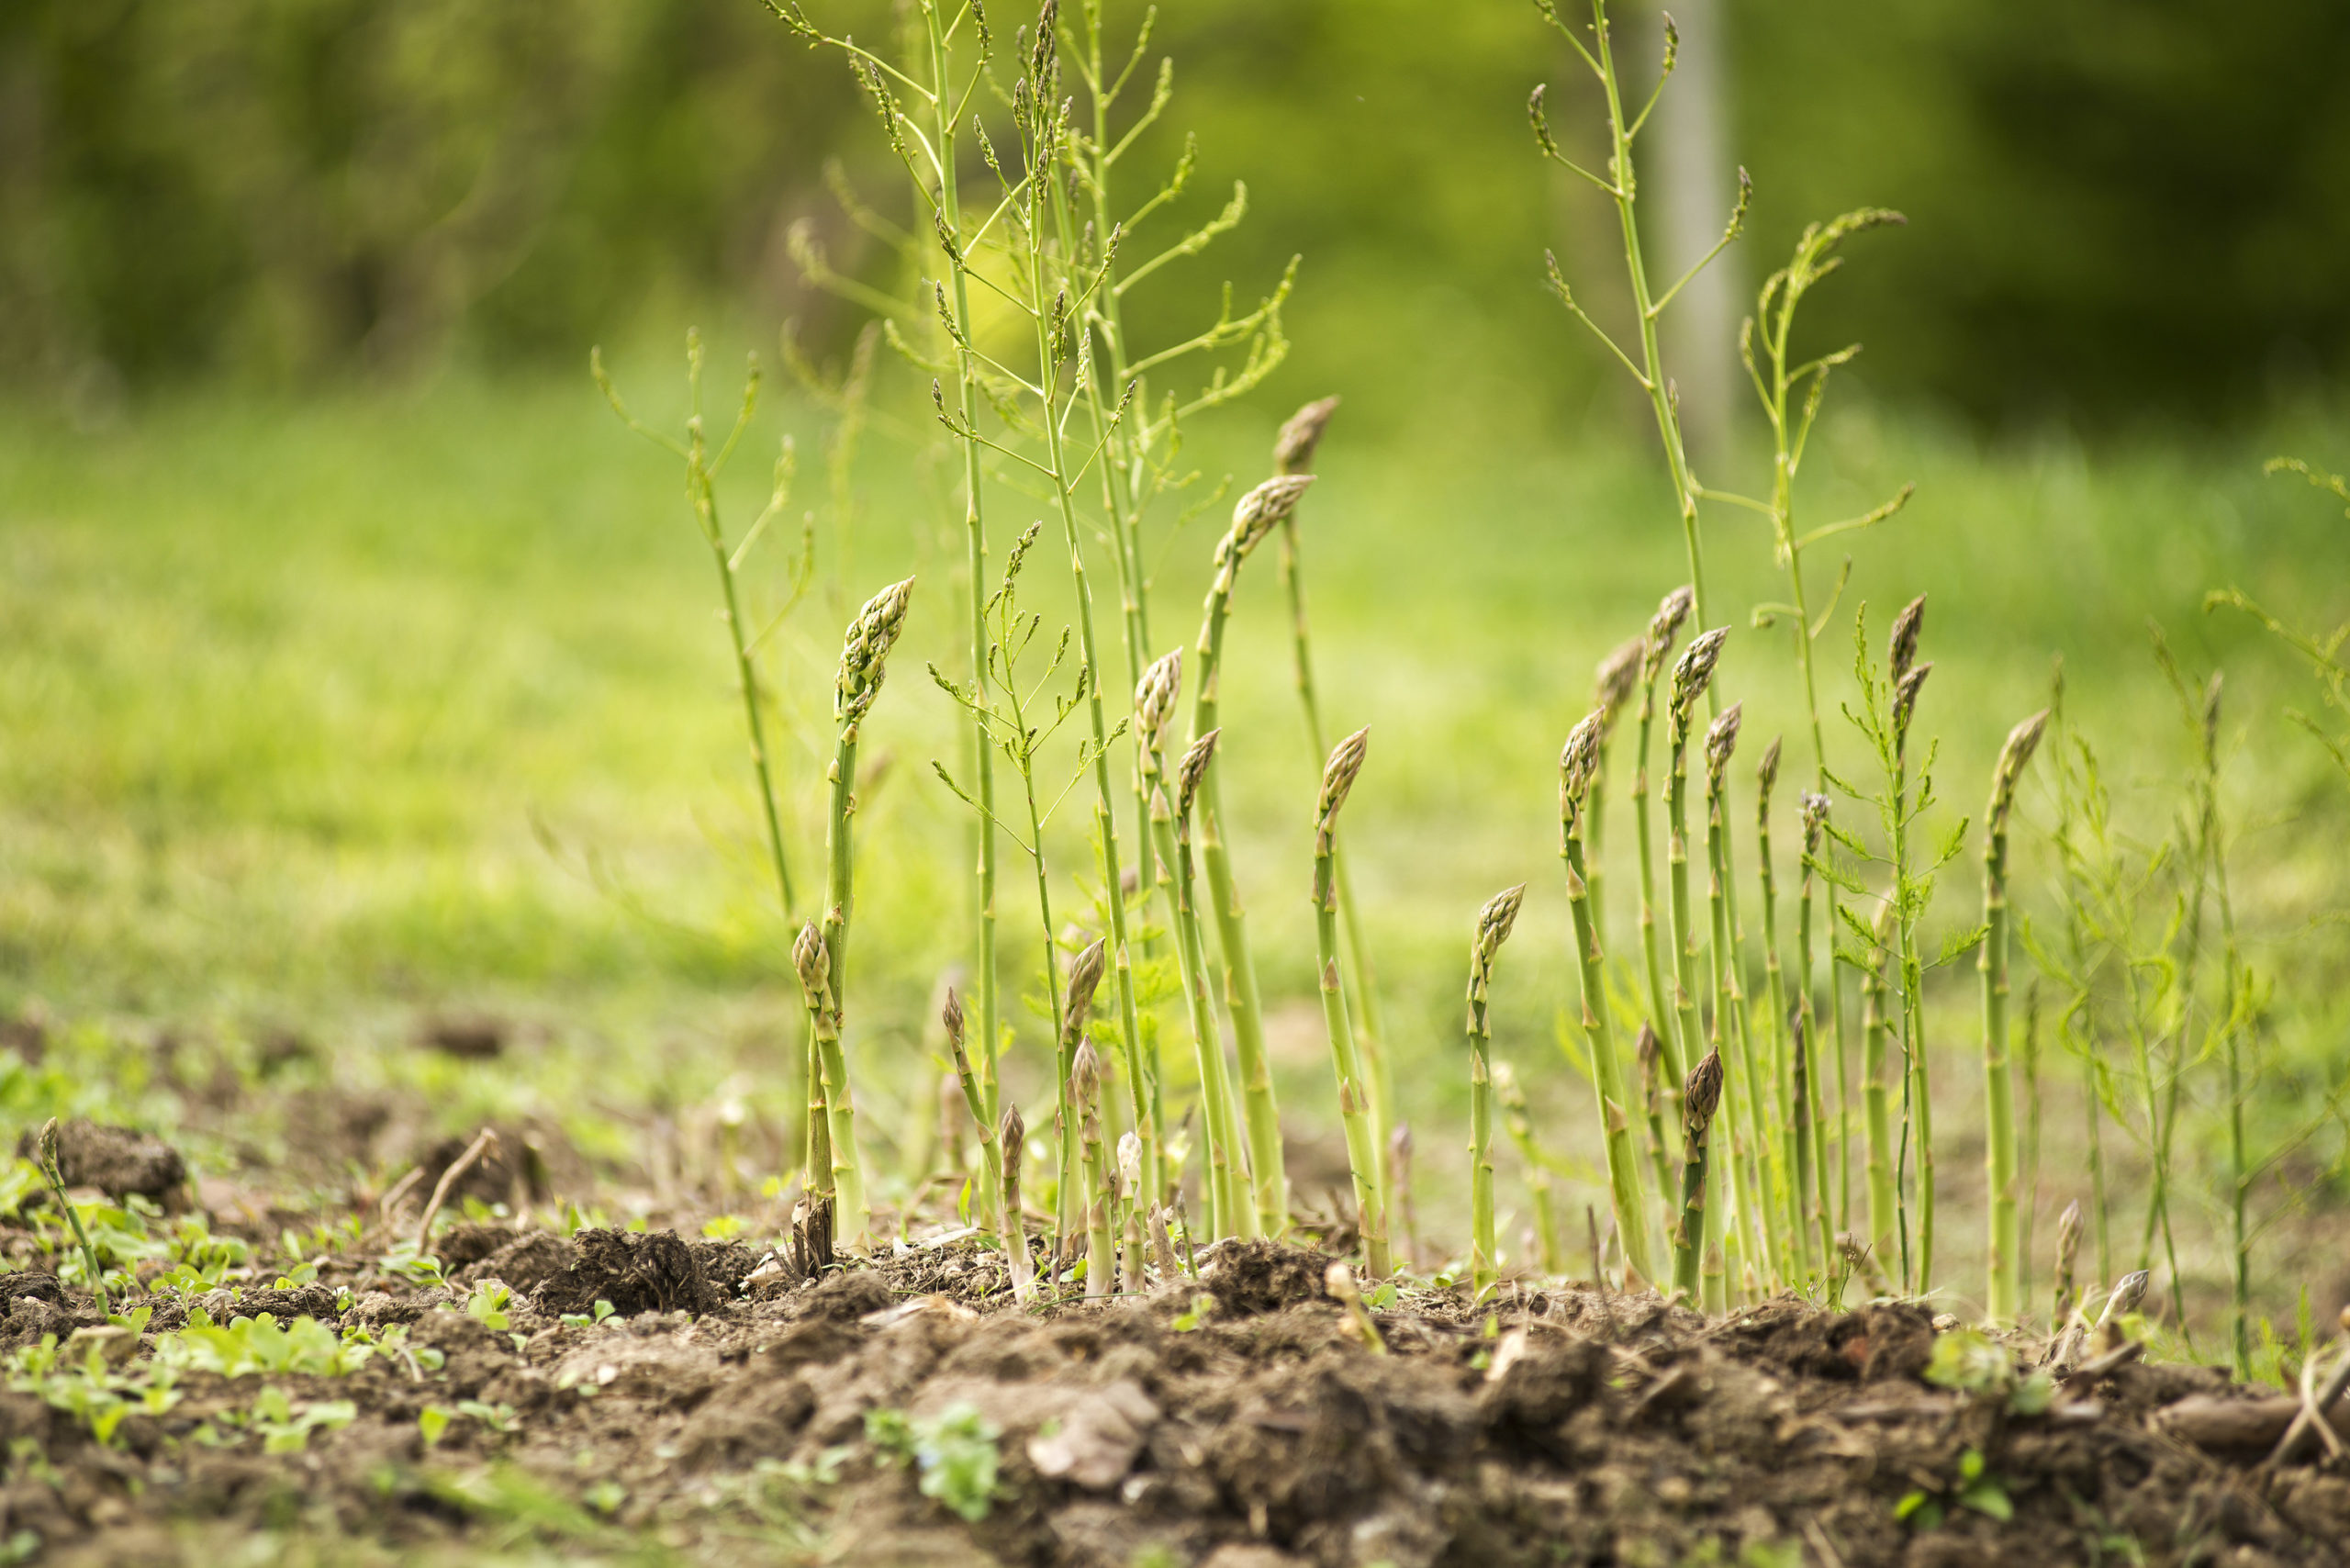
(1917, 1100)
(1790, 1071)
(54, 1173)
(2006, 1299)
(1011, 1138)
(1691, 675)
(1084, 979)
(1663, 627)
(1745, 1170)
(1699, 1097)
(1293, 451)
(1494, 922)
(1613, 683)
(1231, 1211)
(1648, 1054)
(1520, 1127)
(1363, 1152)
(1133, 1192)
(865, 652)
(975, 1099)
(1578, 764)
(847, 1186)
(1101, 1254)
(1814, 823)
(1256, 515)
(2068, 1254)
(1875, 1093)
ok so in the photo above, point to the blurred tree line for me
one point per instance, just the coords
(2117, 205)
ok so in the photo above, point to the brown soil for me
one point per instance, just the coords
(721, 1412)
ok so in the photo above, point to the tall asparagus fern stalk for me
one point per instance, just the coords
(1620, 184)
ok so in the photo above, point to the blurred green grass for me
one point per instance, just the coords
(335, 711)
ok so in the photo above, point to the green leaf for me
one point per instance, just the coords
(1987, 1497)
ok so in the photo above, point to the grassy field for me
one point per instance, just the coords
(336, 714)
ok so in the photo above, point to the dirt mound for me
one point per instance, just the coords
(908, 1412)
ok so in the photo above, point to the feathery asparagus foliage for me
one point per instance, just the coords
(1622, 186)
(1494, 922)
(1364, 1153)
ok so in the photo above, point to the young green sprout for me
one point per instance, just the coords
(1658, 1100)
(846, 1183)
(1494, 922)
(1699, 1099)
(1011, 1135)
(1578, 764)
(1339, 1281)
(2006, 1252)
(1657, 647)
(1363, 1153)
(1257, 513)
(54, 1172)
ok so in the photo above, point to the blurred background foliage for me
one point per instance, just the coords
(2120, 208)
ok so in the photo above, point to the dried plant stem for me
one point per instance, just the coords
(1256, 513)
(1578, 764)
(1494, 922)
(2005, 1300)
(1363, 1149)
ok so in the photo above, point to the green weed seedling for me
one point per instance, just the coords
(1976, 1487)
(954, 1451)
(589, 1320)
